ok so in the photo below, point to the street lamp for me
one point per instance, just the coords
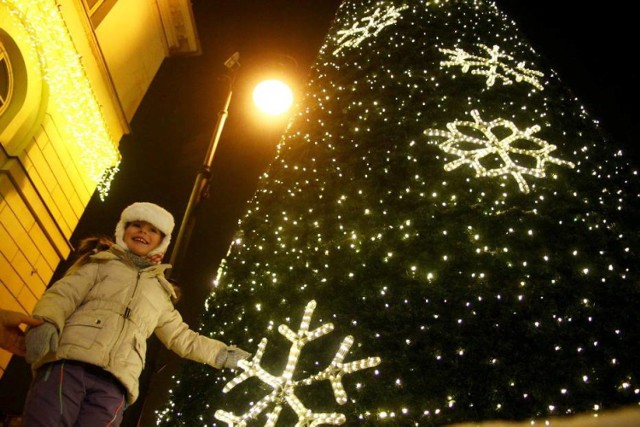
(268, 95)
(273, 97)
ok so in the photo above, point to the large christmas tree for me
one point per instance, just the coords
(444, 236)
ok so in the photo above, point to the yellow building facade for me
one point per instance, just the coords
(72, 75)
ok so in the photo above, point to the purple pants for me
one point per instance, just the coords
(74, 394)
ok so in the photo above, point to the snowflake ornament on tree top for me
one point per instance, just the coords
(373, 24)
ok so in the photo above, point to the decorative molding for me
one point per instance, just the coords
(179, 27)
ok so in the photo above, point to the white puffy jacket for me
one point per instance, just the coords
(106, 310)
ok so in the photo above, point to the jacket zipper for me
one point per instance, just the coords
(127, 311)
(125, 316)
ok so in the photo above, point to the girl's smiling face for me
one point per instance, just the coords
(142, 237)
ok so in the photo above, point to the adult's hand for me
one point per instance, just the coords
(11, 336)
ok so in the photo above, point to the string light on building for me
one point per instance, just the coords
(70, 90)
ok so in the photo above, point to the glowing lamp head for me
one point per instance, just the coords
(273, 97)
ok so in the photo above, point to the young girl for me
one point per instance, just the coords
(89, 352)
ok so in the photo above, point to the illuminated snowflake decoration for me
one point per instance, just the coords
(495, 65)
(372, 25)
(284, 387)
(472, 149)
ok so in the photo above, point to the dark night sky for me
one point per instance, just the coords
(589, 48)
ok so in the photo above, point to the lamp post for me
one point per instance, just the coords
(200, 188)
(280, 98)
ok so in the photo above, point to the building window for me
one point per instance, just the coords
(6, 79)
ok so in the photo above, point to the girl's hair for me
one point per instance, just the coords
(87, 247)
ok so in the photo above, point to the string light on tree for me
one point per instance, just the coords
(474, 151)
(498, 65)
(284, 387)
(369, 26)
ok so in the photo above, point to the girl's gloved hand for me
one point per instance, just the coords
(40, 341)
(230, 357)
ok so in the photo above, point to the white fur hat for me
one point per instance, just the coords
(151, 213)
